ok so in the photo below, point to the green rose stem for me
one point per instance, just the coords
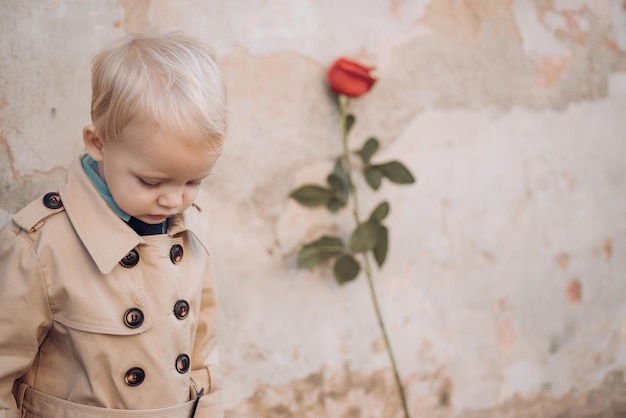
(343, 105)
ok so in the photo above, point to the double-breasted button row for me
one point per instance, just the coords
(132, 258)
(135, 375)
(134, 317)
(52, 200)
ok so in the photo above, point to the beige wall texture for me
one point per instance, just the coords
(505, 287)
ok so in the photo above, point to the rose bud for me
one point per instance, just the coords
(350, 78)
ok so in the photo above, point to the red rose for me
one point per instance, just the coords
(350, 78)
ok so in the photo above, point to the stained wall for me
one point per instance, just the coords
(504, 291)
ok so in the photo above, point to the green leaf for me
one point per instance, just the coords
(323, 249)
(373, 176)
(335, 183)
(335, 203)
(380, 213)
(338, 182)
(350, 119)
(364, 237)
(397, 173)
(370, 147)
(380, 249)
(341, 172)
(311, 195)
(346, 269)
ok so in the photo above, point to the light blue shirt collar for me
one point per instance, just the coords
(91, 168)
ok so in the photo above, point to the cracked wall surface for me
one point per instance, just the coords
(504, 291)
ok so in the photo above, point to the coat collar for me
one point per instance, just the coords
(106, 237)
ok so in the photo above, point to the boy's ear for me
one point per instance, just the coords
(93, 143)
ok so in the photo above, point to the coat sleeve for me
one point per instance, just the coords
(24, 311)
(206, 367)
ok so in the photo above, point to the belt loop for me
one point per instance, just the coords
(21, 392)
(194, 387)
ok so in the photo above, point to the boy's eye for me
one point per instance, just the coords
(195, 183)
(147, 183)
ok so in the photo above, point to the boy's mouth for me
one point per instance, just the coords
(157, 217)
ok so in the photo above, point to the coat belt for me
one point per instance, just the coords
(37, 404)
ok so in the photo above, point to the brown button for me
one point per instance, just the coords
(131, 259)
(52, 200)
(133, 318)
(134, 376)
(176, 254)
(181, 309)
(182, 363)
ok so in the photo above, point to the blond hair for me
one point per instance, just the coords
(169, 78)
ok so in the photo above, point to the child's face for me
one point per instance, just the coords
(152, 175)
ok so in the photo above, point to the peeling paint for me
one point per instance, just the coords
(608, 400)
(537, 39)
(322, 395)
(149, 15)
(455, 20)
(494, 67)
(136, 17)
(21, 190)
(563, 260)
(550, 70)
(574, 291)
(607, 249)
(506, 334)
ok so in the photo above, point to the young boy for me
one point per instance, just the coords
(107, 296)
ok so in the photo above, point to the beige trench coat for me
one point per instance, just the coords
(96, 320)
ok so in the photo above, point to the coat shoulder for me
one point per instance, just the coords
(34, 215)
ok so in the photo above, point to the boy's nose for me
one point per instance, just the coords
(171, 200)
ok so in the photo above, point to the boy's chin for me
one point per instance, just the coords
(152, 219)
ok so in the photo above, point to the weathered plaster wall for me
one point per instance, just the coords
(505, 286)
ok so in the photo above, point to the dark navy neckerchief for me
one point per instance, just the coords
(143, 228)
